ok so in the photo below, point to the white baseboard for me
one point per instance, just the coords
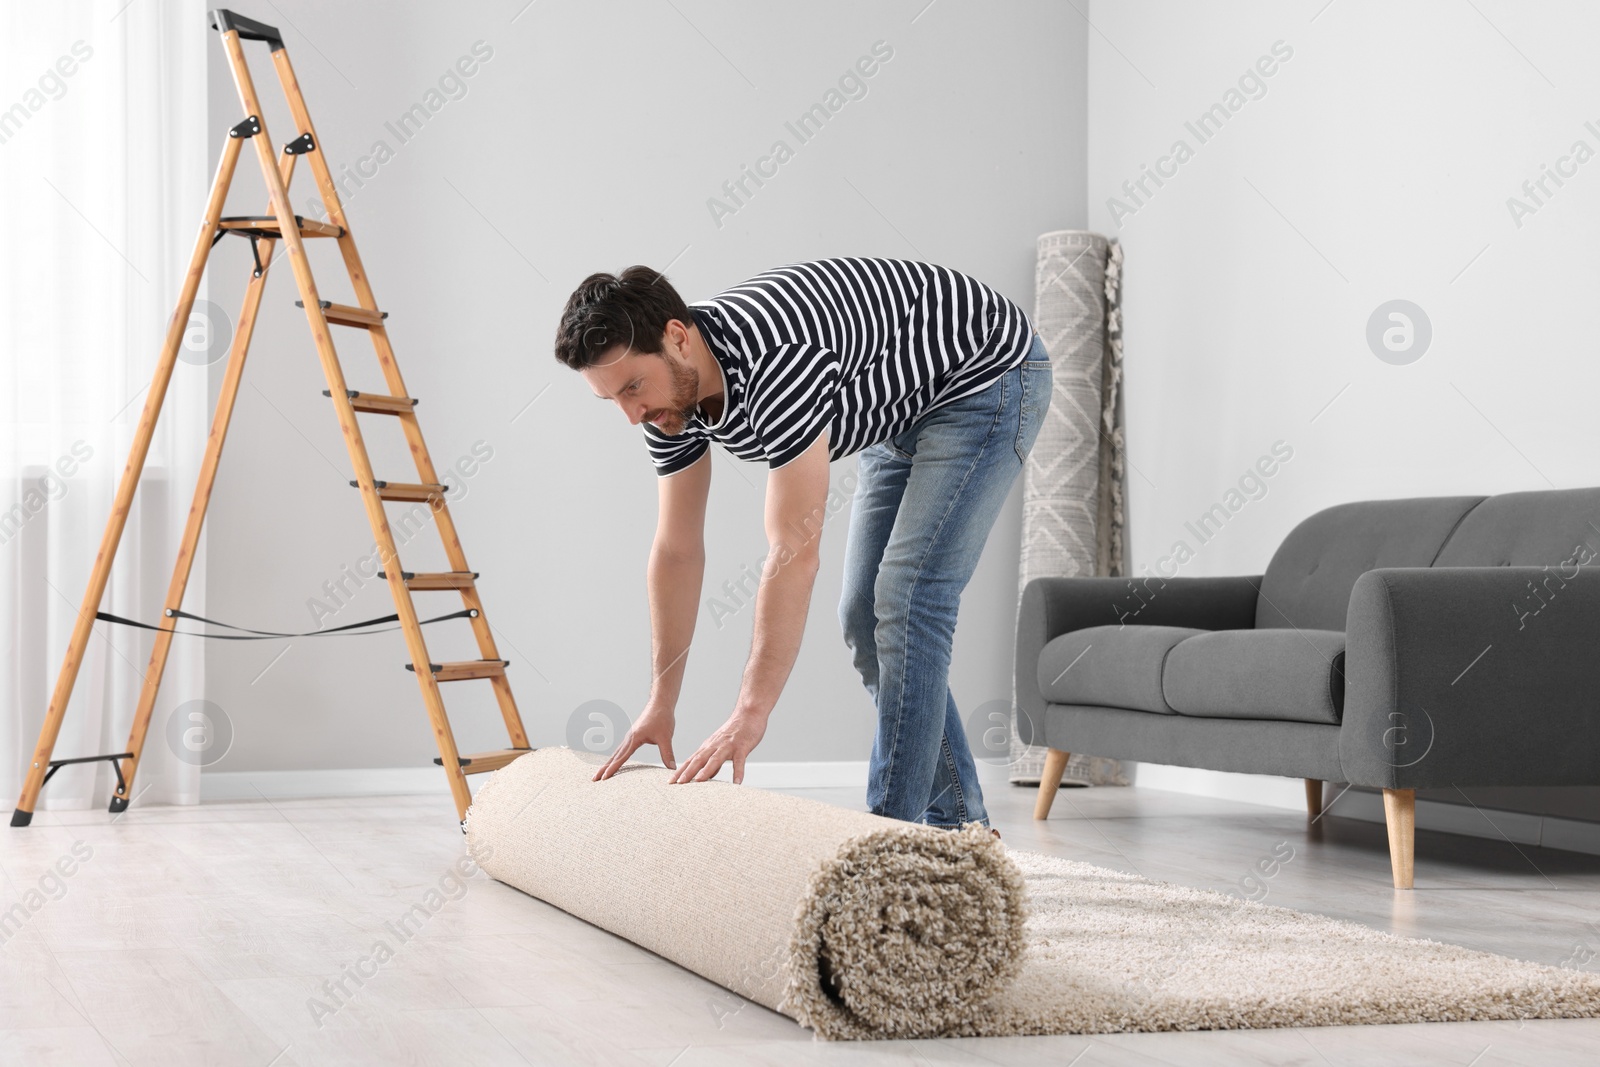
(820, 774)
(1543, 831)
(1449, 818)
(1546, 831)
(1573, 835)
(408, 781)
(1265, 789)
(296, 785)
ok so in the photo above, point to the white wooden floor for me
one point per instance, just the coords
(209, 935)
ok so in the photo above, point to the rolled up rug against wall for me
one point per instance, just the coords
(852, 924)
(1074, 510)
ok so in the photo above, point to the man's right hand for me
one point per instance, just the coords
(653, 728)
(673, 579)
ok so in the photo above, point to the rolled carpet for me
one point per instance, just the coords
(852, 924)
(861, 927)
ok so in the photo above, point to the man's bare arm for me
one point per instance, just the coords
(796, 506)
(673, 579)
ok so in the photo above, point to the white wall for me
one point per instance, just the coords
(591, 139)
(1377, 165)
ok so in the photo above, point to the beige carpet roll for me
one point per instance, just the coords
(861, 927)
(854, 925)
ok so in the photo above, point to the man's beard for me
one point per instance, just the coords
(685, 398)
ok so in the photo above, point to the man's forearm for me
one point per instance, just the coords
(673, 580)
(782, 602)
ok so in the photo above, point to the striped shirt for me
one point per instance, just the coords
(859, 347)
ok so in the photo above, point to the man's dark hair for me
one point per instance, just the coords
(630, 309)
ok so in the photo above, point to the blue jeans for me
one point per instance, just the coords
(924, 504)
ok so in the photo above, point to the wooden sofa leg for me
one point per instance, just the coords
(1055, 766)
(1313, 797)
(1400, 815)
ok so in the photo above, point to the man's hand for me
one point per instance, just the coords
(653, 728)
(796, 506)
(677, 565)
(733, 741)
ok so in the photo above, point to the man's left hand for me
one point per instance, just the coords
(732, 742)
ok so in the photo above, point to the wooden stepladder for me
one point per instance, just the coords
(264, 231)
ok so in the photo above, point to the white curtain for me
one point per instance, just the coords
(103, 181)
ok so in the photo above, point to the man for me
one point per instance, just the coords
(939, 385)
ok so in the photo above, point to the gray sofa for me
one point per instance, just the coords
(1395, 644)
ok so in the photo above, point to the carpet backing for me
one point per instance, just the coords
(861, 927)
(854, 925)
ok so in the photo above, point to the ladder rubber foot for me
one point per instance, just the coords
(118, 804)
(21, 818)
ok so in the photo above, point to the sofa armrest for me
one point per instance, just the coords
(1472, 676)
(1053, 606)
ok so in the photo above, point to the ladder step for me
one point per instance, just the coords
(267, 226)
(481, 762)
(462, 670)
(439, 580)
(345, 315)
(406, 490)
(378, 403)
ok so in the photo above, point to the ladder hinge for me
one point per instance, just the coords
(300, 145)
(248, 128)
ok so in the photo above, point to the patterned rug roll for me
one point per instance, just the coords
(1073, 486)
(852, 924)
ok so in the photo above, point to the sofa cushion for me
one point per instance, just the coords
(1308, 582)
(1291, 675)
(1110, 666)
(1538, 529)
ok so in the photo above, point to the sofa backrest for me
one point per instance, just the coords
(1308, 582)
(1537, 529)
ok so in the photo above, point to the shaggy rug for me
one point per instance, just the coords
(1112, 952)
(862, 927)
